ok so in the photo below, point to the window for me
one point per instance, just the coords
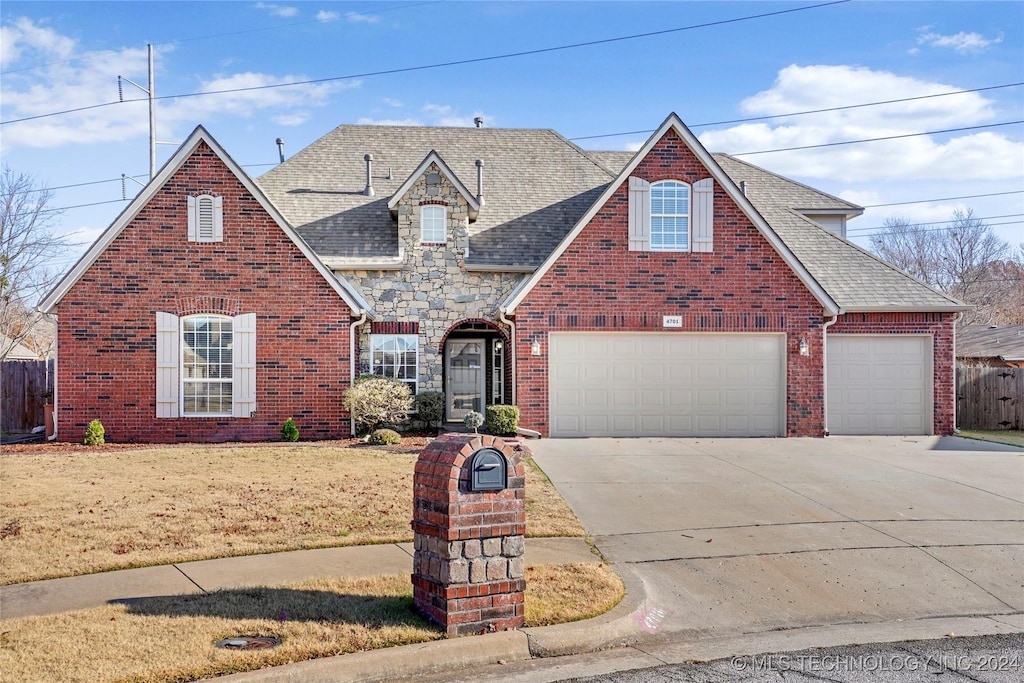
(206, 364)
(670, 216)
(432, 224)
(395, 356)
(205, 219)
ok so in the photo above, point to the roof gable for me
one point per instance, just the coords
(434, 158)
(198, 137)
(673, 123)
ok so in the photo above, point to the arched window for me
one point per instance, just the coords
(670, 216)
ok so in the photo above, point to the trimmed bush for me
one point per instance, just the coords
(473, 420)
(378, 402)
(503, 420)
(429, 407)
(289, 432)
(94, 434)
(384, 437)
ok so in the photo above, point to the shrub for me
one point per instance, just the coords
(473, 420)
(377, 402)
(502, 420)
(94, 434)
(289, 432)
(384, 437)
(430, 407)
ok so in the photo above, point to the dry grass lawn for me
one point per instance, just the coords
(79, 512)
(159, 640)
(1012, 437)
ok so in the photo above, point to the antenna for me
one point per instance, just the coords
(152, 109)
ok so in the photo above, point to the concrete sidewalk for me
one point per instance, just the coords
(94, 590)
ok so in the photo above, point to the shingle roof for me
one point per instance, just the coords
(536, 185)
(984, 341)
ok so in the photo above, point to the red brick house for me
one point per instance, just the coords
(667, 292)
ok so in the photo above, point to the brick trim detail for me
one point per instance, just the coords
(395, 328)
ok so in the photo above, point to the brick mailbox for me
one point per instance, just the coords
(469, 518)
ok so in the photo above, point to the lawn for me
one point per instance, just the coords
(78, 511)
(1012, 437)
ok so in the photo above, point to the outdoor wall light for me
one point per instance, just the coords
(805, 350)
(535, 348)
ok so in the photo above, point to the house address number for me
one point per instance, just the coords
(671, 321)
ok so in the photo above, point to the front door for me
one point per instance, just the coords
(464, 377)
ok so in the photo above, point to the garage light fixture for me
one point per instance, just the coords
(535, 348)
(805, 350)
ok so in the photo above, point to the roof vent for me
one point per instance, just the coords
(743, 187)
(368, 158)
(479, 122)
(480, 181)
(280, 149)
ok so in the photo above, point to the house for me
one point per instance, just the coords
(667, 292)
(991, 345)
(16, 350)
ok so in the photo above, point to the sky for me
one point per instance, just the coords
(603, 74)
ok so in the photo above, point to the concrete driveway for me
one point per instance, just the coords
(750, 535)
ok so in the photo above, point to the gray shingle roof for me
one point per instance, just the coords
(536, 186)
(984, 341)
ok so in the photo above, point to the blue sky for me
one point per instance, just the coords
(57, 56)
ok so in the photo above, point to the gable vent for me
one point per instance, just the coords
(204, 223)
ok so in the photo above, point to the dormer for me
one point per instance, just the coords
(434, 170)
(833, 220)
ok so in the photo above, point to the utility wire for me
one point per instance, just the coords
(943, 199)
(460, 62)
(803, 113)
(955, 220)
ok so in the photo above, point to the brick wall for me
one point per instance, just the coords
(742, 286)
(940, 326)
(107, 328)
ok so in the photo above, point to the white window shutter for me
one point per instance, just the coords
(192, 236)
(639, 214)
(218, 219)
(243, 370)
(703, 215)
(167, 364)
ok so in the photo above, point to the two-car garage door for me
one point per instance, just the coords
(679, 384)
(666, 384)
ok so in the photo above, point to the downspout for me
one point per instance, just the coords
(352, 363)
(512, 333)
(56, 362)
(824, 367)
(956, 321)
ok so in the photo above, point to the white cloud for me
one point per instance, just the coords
(23, 35)
(961, 42)
(324, 15)
(443, 115)
(291, 120)
(89, 78)
(367, 121)
(356, 18)
(278, 10)
(981, 155)
(437, 109)
(392, 102)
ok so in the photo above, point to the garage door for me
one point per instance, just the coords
(879, 384)
(664, 384)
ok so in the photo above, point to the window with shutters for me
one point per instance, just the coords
(432, 224)
(206, 365)
(205, 219)
(670, 216)
(395, 356)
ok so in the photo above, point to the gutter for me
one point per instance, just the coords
(352, 363)
(512, 327)
(824, 368)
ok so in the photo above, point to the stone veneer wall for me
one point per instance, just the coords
(433, 287)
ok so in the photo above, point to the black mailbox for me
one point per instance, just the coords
(488, 470)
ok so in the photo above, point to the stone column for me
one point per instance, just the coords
(468, 572)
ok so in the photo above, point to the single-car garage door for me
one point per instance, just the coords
(666, 384)
(879, 384)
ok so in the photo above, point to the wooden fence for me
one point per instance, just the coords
(23, 384)
(989, 398)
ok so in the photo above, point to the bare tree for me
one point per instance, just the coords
(27, 250)
(966, 260)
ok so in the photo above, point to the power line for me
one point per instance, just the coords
(888, 137)
(882, 230)
(943, 199)
(955, 220)
(460, 62)
(802, 113)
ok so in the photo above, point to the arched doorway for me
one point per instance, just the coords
(476, 368)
